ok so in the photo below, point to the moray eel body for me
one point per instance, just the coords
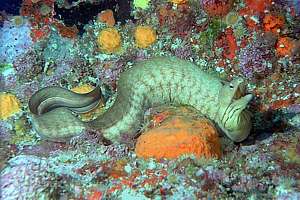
(157, 81)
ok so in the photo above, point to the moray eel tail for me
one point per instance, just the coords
(52, 111)
(53, 97)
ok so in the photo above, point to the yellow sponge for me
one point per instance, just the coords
(178, 1)
(144, 36)
(109, 40)
(9, 105)
(82, 89)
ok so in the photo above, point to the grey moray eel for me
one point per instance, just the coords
(153, 82)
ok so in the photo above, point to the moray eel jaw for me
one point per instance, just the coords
(233, 117)
(236, 120)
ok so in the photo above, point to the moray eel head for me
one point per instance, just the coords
(233, 118)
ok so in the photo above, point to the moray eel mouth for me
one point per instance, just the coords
(240, 91)
(233, 118)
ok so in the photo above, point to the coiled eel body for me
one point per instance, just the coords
(157, 81)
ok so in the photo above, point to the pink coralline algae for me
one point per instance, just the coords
(26, 90)
(183, 52)
(110, 72)
(8, 81)
(28, 65)
(5, 131)
(294, 108)
(26, 177)
(14, 41)
(253, 60)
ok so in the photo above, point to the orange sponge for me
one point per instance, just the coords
(178, 136)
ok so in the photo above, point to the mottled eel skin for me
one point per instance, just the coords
(157, 81)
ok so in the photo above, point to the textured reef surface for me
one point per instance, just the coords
(177, 151)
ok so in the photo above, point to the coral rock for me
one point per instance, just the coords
(178, 136)
(28, 65)
(9, 105)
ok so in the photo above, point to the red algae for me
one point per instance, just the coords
(258, 5)
(227, 41)
(217, 8)
(66, 31)
(40, 18)
(273, 23)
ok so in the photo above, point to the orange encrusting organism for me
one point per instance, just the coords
(107, 17)
(227, 41)
(95, 195)
(285, 46)
(66, 31)
(178, 136)
(273, 23)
